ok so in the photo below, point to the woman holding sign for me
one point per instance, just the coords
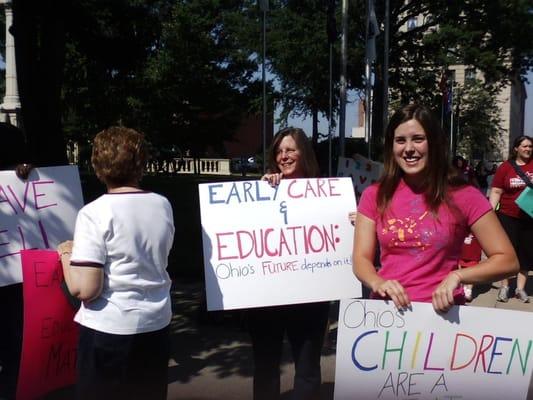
(290, 156)
(510, 180)
(419, 215)
(117, 267)
(12, 155)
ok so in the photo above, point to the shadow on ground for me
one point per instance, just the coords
(216, 340)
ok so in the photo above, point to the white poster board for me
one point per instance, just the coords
(468, 353)
(363, 171)
(268, 246)
(36, 214)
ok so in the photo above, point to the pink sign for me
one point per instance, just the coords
(50, 338)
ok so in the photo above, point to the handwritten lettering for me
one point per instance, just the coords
(18, 202)
(14, 240)
(276, 242)
(51, 327)
(225, 271)
(320, 187)
(44, 278)
(513, 357)
(61, 359)
(269, 267)
(241, 192)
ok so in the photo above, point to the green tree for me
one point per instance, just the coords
(298, 55)
(201, 79)
(478, 122)
(485, 35)
(176, 70)
(108, 47)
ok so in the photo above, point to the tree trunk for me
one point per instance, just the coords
(39, 31)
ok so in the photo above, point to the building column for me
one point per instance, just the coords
(10, 108)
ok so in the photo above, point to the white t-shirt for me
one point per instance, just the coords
(130, 234)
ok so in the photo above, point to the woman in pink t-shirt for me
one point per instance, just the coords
(419, 214)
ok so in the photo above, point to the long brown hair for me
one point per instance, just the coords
(437, 173)
(307, 154)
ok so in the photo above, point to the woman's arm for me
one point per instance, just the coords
(501, 261)
(364, 251)
(84, 283)
(494, 196)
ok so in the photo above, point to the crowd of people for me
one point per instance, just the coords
(116, 263)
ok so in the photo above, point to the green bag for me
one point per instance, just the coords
(525, 201)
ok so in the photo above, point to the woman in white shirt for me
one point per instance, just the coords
(117, 267)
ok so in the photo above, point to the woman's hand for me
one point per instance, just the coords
(23, 170)
(393, 290)
(442, 298)
(65, 247)
(352, 216)
(272, 179)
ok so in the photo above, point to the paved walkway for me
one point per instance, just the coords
(211, 355)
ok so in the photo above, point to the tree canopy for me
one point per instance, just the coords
(186, 72)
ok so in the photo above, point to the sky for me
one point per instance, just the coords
(351, 114)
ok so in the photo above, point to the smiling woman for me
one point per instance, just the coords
(410, 150)
(419, 213)
(291, 156)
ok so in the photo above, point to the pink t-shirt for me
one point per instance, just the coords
(507, 179)
(419, 249)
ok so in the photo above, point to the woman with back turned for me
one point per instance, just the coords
(117, 267)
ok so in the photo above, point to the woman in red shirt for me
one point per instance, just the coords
(506, 187)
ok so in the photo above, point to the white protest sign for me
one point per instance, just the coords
(36, 214)
(467, 353)
(363, 171)
(269, 246)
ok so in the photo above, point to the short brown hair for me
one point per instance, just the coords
(119, 155)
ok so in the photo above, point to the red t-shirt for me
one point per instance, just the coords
(507, 179)
(471, 252)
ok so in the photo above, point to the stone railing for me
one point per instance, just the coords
(189, 165)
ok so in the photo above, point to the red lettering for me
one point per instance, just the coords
(332, 187)
(240, 241)
(267, 250)
(318, 235)
(309, 188)
(320, 187)
(221, 246)
(457, 336)
(40, 281)
(289, 191)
